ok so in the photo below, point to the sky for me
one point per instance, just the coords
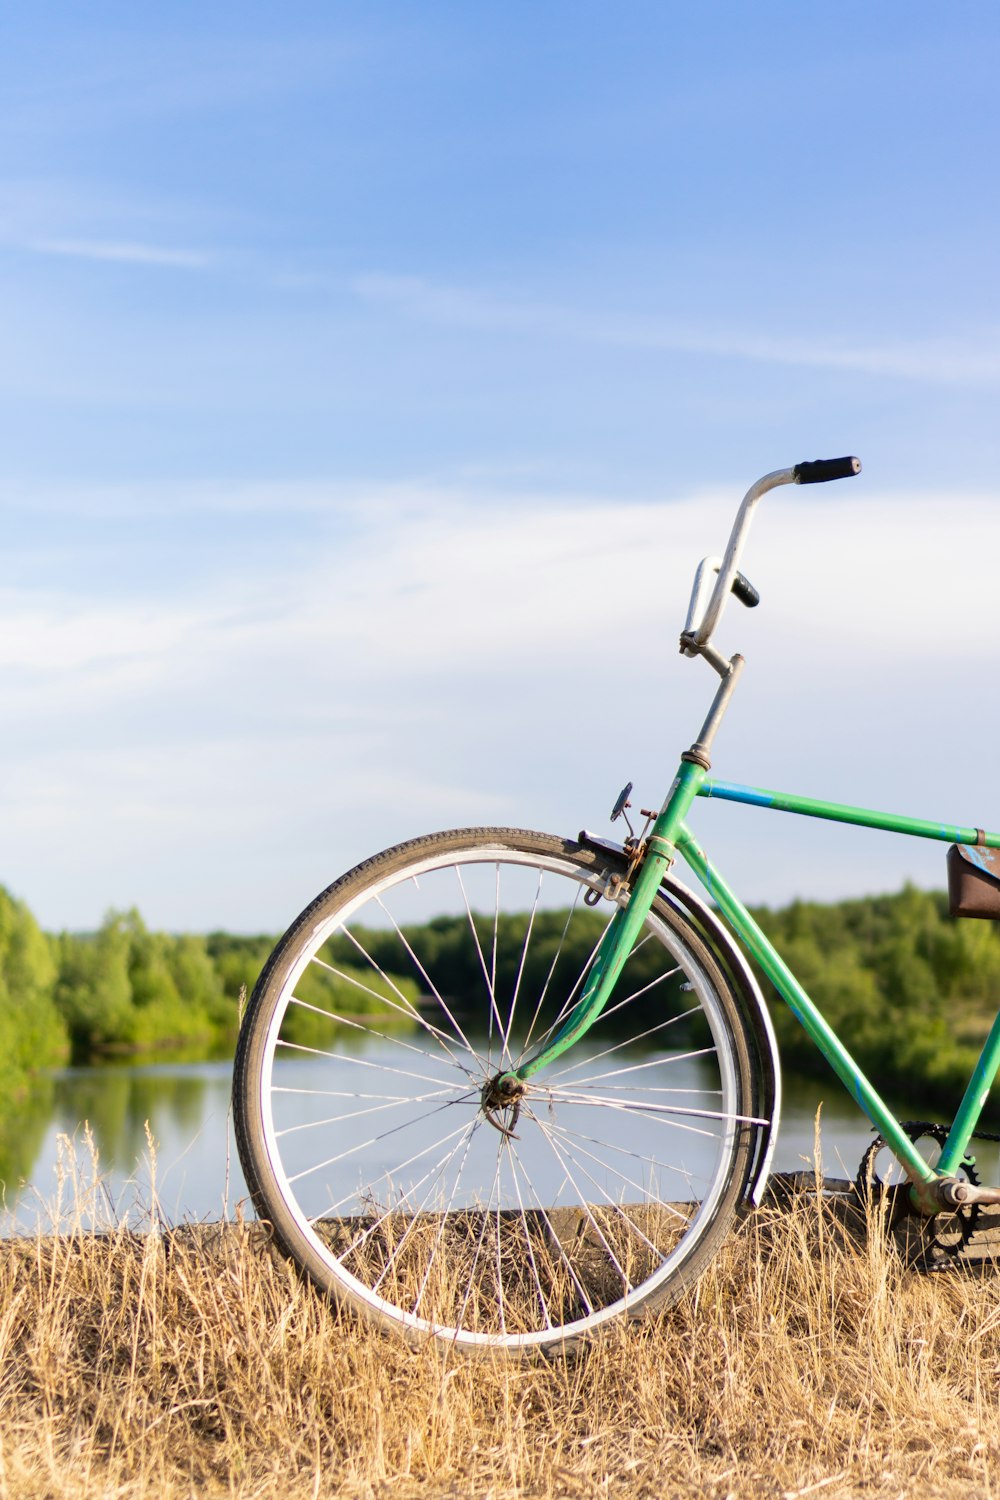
(373, 376)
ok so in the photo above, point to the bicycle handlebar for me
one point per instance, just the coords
(822, 469)
(701, 622)
(745, 591)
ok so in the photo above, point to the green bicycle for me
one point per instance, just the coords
(501, 1087)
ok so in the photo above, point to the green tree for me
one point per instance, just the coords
(32, 1035)
(93, 991)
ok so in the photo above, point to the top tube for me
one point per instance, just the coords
(837, 812)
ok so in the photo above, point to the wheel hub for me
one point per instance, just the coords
(504, 1092)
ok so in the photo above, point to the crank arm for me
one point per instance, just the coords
(957, 1194)
(930, 1198)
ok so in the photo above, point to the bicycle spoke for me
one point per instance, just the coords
(500, 1306)
(651, 1062)
(372, 1229)
(426, 977)
(629, 1041)
(355, 1062)
(552, 968)
(505, 1048)
(374, 1140)
(444, 1216)
(548, 1136)
(354, 1197)
(347, 1093)
(493, 960)
(651, 1108)
(617, 1208)
(527, 1239)
(653, 1162)
(409, 1010)
(640, 1159)
(490, 984)
(357, 1114)
(663, 1116)
(479, 1245)
(611, 1010)
(354, 1024)
(435, 1176)
(571, 998)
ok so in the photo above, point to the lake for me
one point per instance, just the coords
(162, 1135)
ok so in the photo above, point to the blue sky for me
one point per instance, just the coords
(373, 376)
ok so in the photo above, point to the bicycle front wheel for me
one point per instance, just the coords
(371, 1139)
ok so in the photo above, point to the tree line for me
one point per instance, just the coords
(81, 997)
(911, 991)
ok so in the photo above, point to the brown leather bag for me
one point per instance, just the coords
(974, 879)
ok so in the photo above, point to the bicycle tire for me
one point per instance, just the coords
(610, 1190)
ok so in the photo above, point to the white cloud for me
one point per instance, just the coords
(66, 636)
(125, 252)
(452, 658)
(973, 360)
(429, 582)
(445, 584)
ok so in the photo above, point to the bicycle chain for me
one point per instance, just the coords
(965, 1219)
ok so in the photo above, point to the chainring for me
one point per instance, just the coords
(946, 1235)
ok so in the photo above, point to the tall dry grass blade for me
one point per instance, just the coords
(191, 1361)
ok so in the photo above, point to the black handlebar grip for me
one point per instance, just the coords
(822, 469)
(745, 591)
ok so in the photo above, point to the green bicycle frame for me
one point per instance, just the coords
(669, 837)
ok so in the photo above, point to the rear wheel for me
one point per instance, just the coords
(376, 1142)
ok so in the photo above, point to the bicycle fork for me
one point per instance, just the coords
(617, 942)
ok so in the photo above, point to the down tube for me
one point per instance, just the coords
(799, 1003)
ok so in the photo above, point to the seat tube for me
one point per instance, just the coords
(972, 1104)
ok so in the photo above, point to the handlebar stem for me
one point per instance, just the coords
(699, 751)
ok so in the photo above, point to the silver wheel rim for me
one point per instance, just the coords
(515, 1194)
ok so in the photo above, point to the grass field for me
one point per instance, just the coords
(193, 1363)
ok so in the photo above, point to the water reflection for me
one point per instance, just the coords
(190, 1173)
(23, 1126)
(117, 1102)
(197, 1173)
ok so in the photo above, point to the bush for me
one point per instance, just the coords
(32, 1034)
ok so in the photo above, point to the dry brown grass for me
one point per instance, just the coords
(192, 1363)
